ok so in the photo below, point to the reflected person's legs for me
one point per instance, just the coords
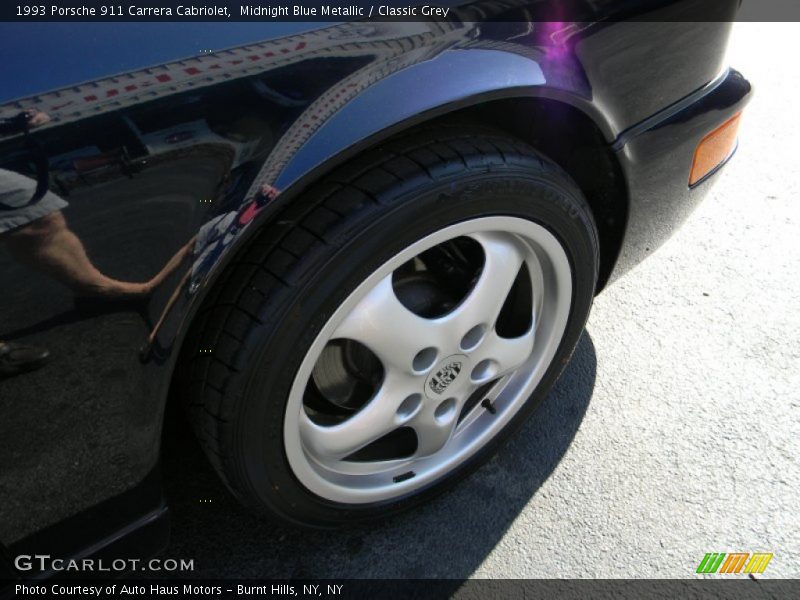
(170, 303)
(48, 245)
(171, 265)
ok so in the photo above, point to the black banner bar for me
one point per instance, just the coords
(743, 588)
(25, 11)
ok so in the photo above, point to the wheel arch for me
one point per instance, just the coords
(538, 115)
(541, 116)
(572, 138)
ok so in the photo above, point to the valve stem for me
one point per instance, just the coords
(487, 404)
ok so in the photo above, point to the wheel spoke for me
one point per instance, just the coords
(503, 258)
(432, 435)
(374, 420)
(508, 353)
(389, 329)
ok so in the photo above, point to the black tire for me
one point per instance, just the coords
(274, 299)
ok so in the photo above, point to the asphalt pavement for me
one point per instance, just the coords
(675, 431)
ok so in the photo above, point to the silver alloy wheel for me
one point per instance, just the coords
(431, 366)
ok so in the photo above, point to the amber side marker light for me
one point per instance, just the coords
(714, 149)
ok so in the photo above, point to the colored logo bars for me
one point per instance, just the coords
(736, 562)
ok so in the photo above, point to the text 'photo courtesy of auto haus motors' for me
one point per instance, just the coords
(355, 256)
(187, 589)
